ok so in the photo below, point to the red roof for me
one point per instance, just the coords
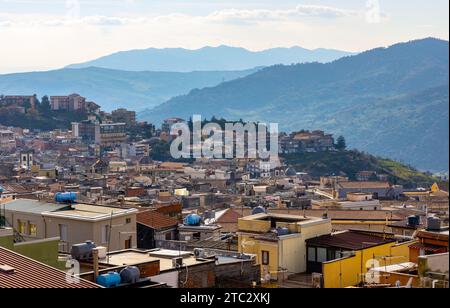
(230, 216)
(28, 273)
(155, 220)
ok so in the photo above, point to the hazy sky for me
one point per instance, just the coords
(44, 34)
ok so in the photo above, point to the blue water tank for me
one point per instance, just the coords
(67, 197)
(112, 279)
(259, 210)
(282, 231)
(1, 190)
(192, 220)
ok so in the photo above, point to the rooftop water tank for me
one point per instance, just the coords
(130, 274)
(283, 231)
(259, 210)
(193, 220)
(67, 197)
(82, 251)
(434, 224)
(413, 221)
(112, 279)
(1, 190)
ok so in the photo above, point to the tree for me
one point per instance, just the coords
(341, 144)
(45, 106)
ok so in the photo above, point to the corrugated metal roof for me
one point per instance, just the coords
(351, 240)
(28, 273)
(33, 206)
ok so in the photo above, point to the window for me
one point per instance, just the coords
(197, 236)
(32, 229)
(21, 226)
(105, 234)
(321, 255)
(63, 233)
(311, 254)
(128, 221)
(265, 257)
(168, 236)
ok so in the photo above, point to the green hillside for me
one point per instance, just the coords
(349, 163)
(391, 102)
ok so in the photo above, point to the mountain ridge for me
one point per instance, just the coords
(359, 96)
(112, 88)
(209, 58)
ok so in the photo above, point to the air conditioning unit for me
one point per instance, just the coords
(199, 253)
(177, 262)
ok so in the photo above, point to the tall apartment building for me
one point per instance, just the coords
(306, 141)
(106, 135)
(73, 102)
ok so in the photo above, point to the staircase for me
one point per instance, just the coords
(299, 281)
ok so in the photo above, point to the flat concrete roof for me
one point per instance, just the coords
(90, 212)
(33, 206)
(134, 257)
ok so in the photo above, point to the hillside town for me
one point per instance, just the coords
(101, 204)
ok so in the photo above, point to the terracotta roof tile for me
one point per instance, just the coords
(156, 220)
(29, 273)
(230, 216)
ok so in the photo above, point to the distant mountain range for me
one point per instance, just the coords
(209, 59)
(112, 88)
(391, 101)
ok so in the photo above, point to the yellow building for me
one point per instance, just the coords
(43, 172)
(344, 258)
(279, 241)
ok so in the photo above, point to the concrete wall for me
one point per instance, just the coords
(438, 264)
(82, 231)
(198, 276)
(36, 219)
(348, 272)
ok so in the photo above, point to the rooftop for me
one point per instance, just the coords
(33, 206)
(133, 257)
(349, 240)
(364, 185)
(22, 272)
(90, 212)
(155, 220)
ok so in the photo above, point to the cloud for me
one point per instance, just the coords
(300, 11)
(230, 16)
(374, 15)
(4, 24)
